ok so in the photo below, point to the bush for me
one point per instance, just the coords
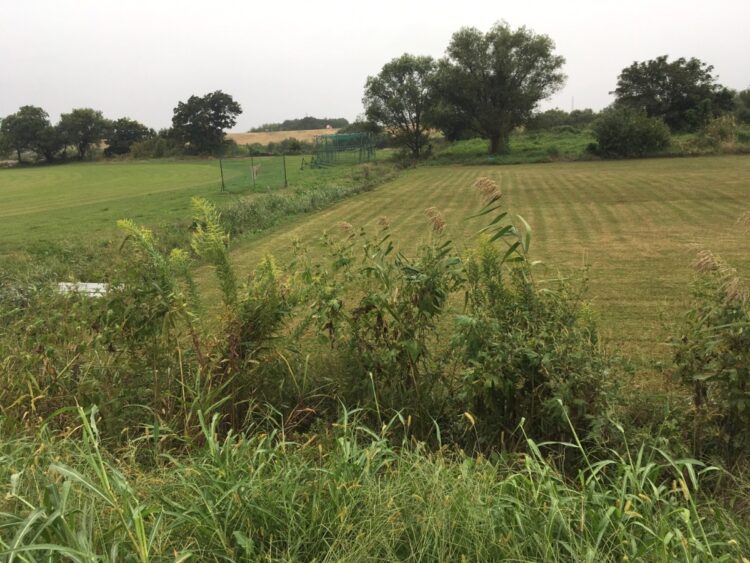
(529, 351)
(712, 358)
(626, 133)
(720, 131)
(520, 350)
(157, 147)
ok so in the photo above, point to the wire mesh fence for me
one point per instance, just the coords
(257, 174)
(343, 148)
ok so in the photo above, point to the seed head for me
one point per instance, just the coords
(706, 262)
(735, 292)
(344, 226)
(436, 219)
(488, 189)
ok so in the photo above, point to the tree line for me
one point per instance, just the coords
(198, 127)
(302, 124)
(488, 84)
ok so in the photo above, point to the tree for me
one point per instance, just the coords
(557, 117)
(495, 80)
(683, 93)
(123, 132)
(49, 142)
(200, 122)
(20, 130)
(398, 98)
(84, 128)
(548, 119)
(742, 103)
(450, 122)
(362, 125)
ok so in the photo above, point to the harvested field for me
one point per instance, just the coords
(277, 136)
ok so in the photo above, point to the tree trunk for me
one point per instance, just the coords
(416, 149)
(18, 152)
(499, 143)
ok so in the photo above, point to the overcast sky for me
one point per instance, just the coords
(283, 59)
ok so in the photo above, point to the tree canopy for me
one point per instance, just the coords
(84, 128)
(200, 122)
(123, 132)
(557, 117)
(21, 130)
(398, 98)
(493, 81)
(742, 102)
(303, 124)
(49, 142)
(684, 92)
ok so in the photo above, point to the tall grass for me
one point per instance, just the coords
(350, 495)
(262, 212)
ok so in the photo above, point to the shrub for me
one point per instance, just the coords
(565, 129)
(387, 335)
(520, 350)
(626, 133)
(720, 131)
(712, 358)
(529, 350)
(157, 147)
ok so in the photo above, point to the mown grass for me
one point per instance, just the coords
(635, 224)
(83, 201)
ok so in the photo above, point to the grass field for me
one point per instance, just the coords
(637, 224)
(71, 201)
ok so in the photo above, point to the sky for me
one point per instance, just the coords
(285, 59)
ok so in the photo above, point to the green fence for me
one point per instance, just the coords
(343, 148)
(253, 174)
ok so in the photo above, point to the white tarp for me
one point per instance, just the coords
(90, 289)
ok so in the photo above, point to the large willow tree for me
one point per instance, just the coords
(493, 81)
